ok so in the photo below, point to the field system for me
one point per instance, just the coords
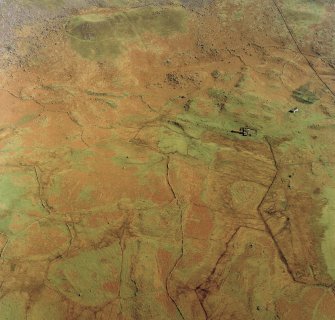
(167, 160)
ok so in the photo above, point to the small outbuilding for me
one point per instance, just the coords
(294, 110)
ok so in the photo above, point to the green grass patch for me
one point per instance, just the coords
(85, 194)
(218, 95)
(111, 104)
(303, 14)
(91, 278)
(18, 199)
(26, 119)
(97, 36)
(328, 222)
(13, 306)
(304, 95)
